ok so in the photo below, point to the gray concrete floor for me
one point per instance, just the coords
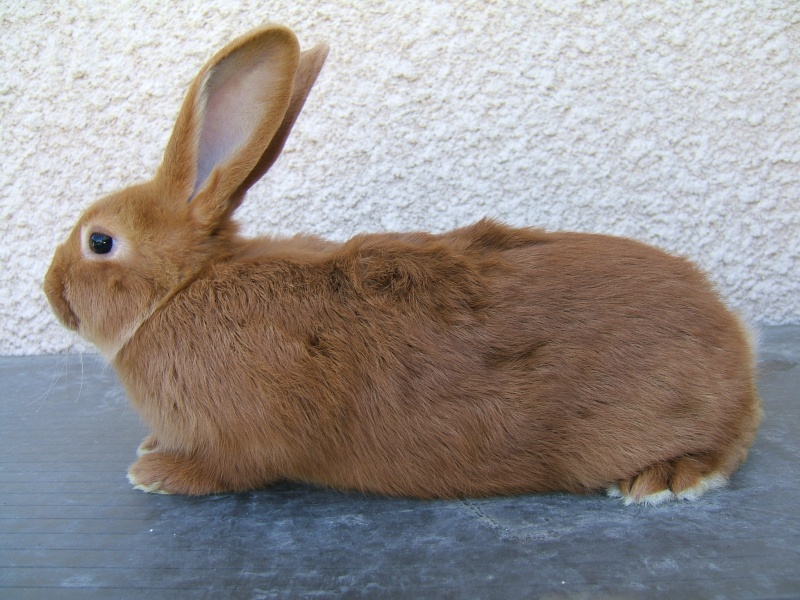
(71, 527)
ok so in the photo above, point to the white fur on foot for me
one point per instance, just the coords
(712, 482)
(651, 500)
(150, 489)
(142, 450)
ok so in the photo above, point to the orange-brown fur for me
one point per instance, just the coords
(487, 360)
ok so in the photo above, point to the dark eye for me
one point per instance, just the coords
(100, 243)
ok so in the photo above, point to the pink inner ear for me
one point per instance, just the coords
(237, 93)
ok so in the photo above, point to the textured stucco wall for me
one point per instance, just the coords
(674, 122)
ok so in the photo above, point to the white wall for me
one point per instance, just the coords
(676, 122)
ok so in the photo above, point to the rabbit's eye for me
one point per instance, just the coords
(100, 243)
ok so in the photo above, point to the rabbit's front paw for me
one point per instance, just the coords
(161, 473)
(148, 445)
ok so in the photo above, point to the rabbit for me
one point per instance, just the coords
(488, 360)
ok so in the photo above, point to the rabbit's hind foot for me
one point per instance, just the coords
(685, 478)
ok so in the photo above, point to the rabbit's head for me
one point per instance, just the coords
(130, 250)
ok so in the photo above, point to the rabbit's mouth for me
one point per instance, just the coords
(64, 313)
(68, 317)
(55, 289)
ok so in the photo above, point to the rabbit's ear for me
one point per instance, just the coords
(311, 62)
(229, 118)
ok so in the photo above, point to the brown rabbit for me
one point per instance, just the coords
(487, 360)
